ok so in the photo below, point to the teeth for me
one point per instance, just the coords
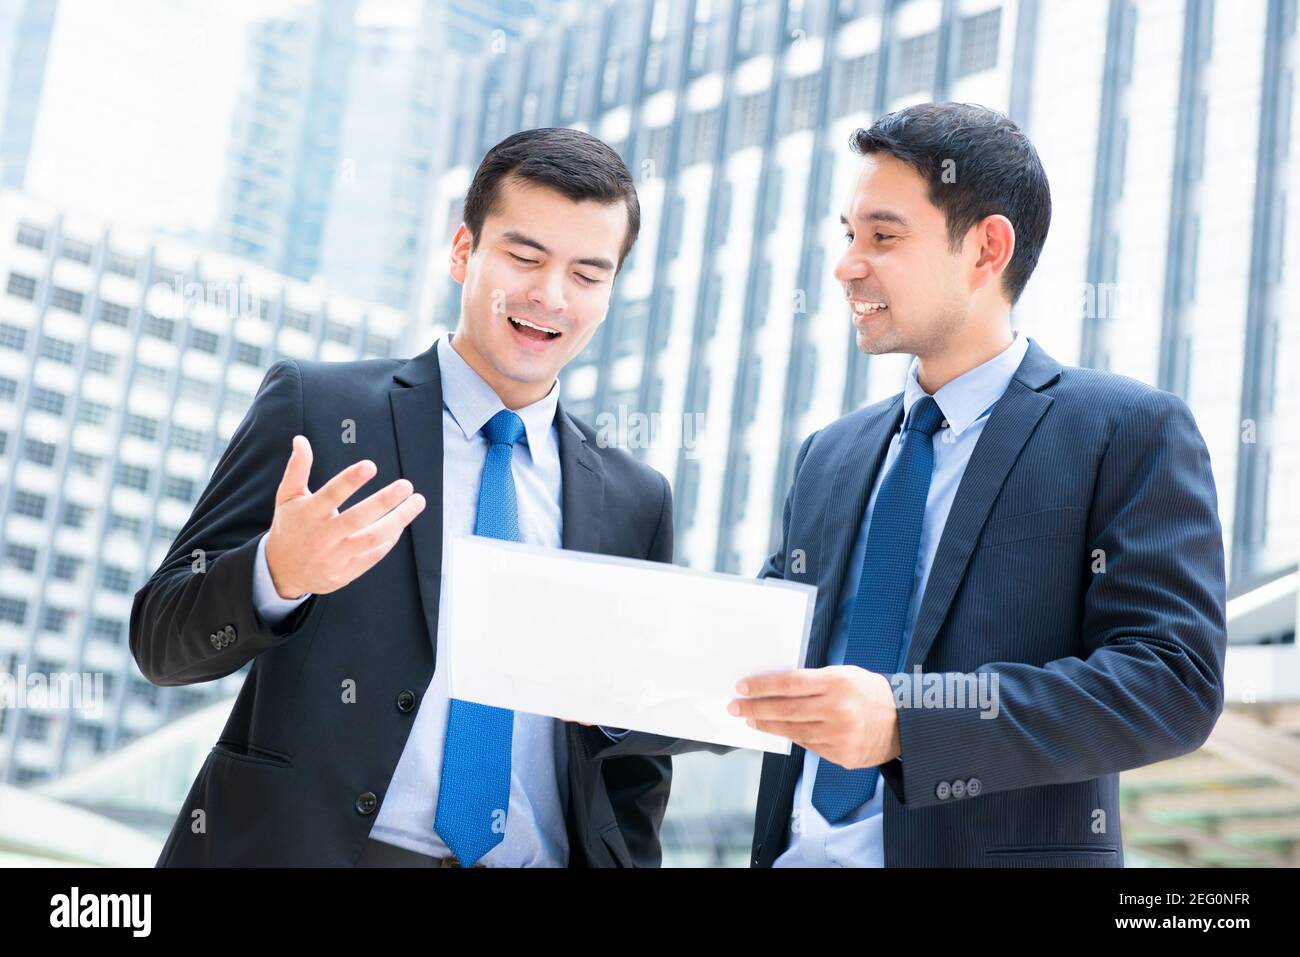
(861, 308)
(533, 325)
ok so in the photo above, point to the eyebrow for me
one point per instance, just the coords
(514, 236)
(880, 216)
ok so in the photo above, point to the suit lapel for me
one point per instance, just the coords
(417, 422)
(859, 462)
(582, 480)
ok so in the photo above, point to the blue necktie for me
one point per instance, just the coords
(474, 794)
(884, 593)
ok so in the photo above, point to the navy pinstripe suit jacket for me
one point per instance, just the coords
(1082, 563)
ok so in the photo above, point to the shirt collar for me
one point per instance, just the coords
(472, 402)
(967, 397)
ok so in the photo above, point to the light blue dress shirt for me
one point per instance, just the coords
(535, 829)
(858, 840)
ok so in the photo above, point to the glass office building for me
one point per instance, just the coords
(126, 363)
(1165, 128)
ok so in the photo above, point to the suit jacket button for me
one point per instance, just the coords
(367, 802)
(216, 642)
(958, 788)
(230, 632)
(973, 787)
(405, 701)
(942, 791)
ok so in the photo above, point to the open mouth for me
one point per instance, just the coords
(864, 310)
(532, 331)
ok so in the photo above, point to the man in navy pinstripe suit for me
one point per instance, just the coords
(1019, 564)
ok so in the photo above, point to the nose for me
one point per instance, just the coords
(850, 267)
(548, 294)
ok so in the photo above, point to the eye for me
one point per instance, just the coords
(881, 237)
(587, 280)
(848, 237)
(521, 259)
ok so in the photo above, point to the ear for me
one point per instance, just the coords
(995, 244)
(458, 260)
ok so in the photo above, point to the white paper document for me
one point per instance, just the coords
(616, 641)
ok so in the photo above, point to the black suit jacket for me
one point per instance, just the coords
(298, 776)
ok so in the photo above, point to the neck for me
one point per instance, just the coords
(513, 395)
(971, 347)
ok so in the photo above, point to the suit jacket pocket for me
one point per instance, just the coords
(250, 754)
(1067, 520)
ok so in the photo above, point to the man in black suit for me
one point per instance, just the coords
(343, 747)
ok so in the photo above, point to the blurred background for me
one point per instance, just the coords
(190, 191)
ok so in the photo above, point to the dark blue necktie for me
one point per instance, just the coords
(884, 593)
(474, 794)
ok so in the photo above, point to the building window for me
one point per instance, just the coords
(127, 524)
(21, 556)
(107, 629)
(159, 327)
(13, 337)
(37, 728)
(92, 413)
(150, 375)
(122, 265)
(42, 453)
(58, 350)
(8, 389)
(66, 567)
(114, 314)
(338, 332)
(13, 610)
(248, 354)
(47, 400)
(141, 426)
(22, 287)
(204, 341)
(31, 235)
(977, 48)
(196, 389)
(914, 70)
(68, 300)
(297, 319)
(86, 463)
(132, 476)
(77, 251)
(74, 515)
(105, 363)
(115, 579)
(180, 488)
(29, 503)
(190, 440)
(55, 620)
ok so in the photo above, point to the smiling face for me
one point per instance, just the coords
(537, 286)
(907, 290)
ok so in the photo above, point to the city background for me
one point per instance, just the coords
(190, 191)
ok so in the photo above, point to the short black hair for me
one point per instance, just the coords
(995, 170)
(571, 162)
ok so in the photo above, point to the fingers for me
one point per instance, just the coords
(344, 485)
(370, 510)
(373, 542)
(781, 709)
(802, 733)
(294, 483)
